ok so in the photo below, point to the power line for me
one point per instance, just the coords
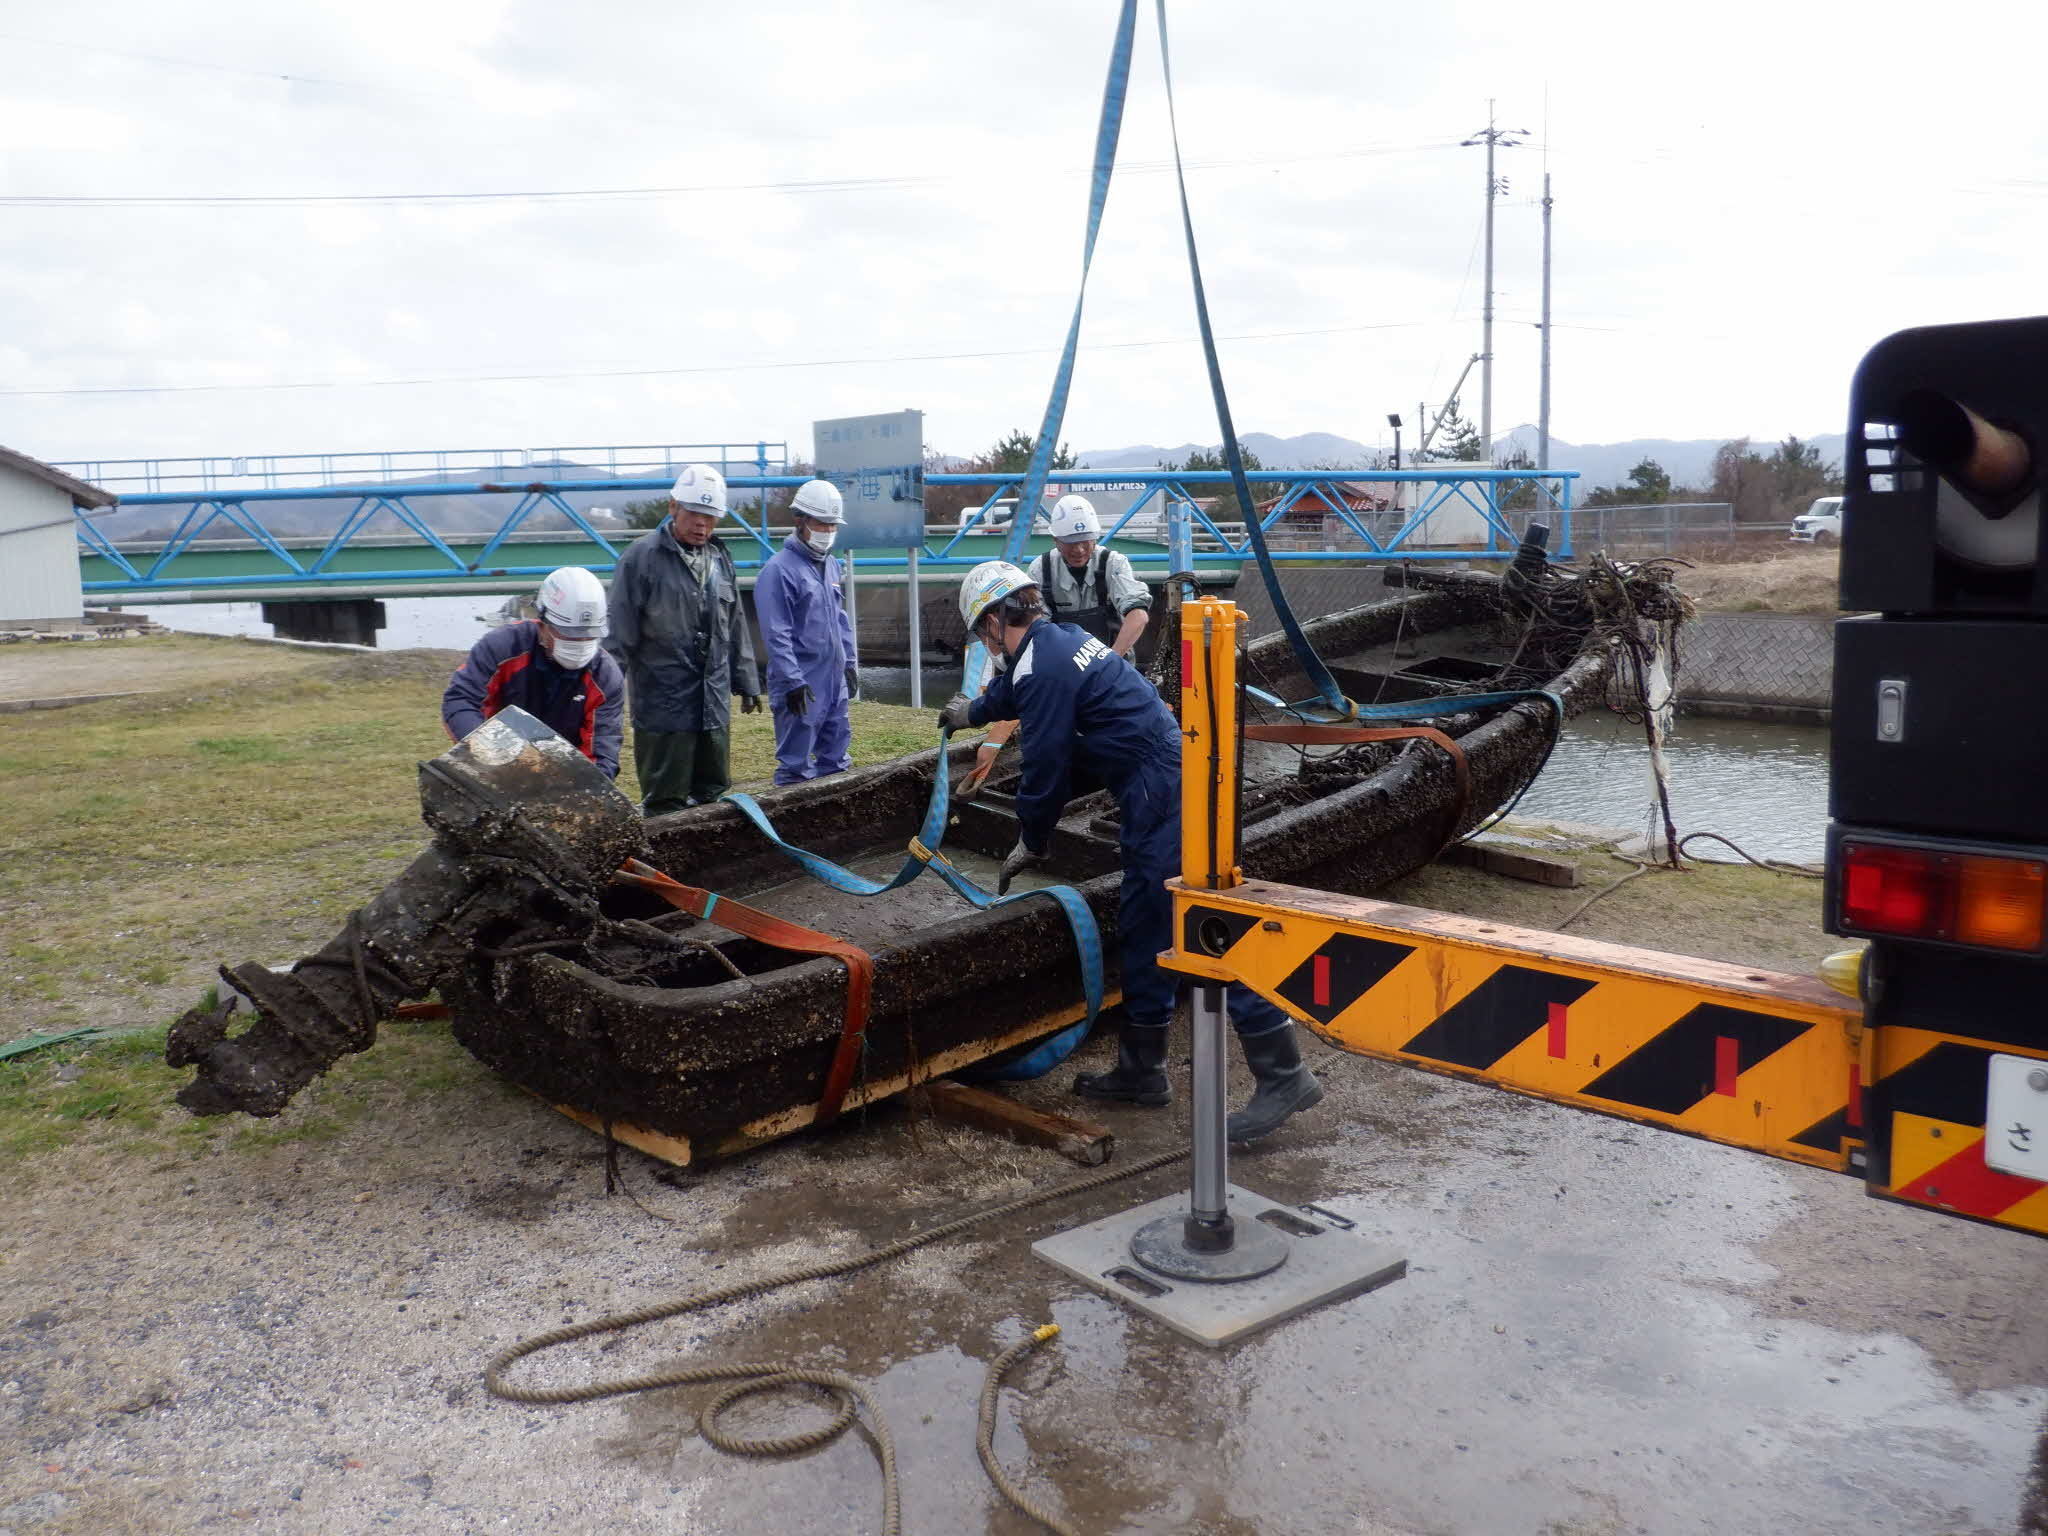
(648, 373)
(600, 194)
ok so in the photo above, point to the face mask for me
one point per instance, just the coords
(573, 655)
(821, 542)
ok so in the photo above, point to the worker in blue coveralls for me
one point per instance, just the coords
(1086, 709)
(552, 669)
(809, 640)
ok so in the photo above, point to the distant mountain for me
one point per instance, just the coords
(1689, 462)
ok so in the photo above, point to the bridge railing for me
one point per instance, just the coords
(1456, 513)
(296, 471)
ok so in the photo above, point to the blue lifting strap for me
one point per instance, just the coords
(1311, 663)
(925, 854)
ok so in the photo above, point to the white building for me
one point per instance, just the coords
(39, 582)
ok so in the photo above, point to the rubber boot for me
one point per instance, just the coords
(1285, 1086)
(1140, 1073)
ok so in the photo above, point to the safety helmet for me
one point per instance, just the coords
(700, 488)
(1074, 519)
(571, 603)
(820, 501)
(989, 582)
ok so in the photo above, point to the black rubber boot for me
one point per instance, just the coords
(1285, 1086)
(1140, 1073)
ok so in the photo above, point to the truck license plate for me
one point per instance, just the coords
(2016, 1116)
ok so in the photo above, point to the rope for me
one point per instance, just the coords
(1781, 866)
(985, 1430)
(761, 1376)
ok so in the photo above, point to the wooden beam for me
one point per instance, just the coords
(1082, 1140)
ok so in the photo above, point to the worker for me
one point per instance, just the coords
(809, 640)
(1085, 709)
(679, 626)
(1086, 584)
(551, 668)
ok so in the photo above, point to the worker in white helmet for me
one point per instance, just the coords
(1087, 584)
(1089, 713)
(551, 668)
(812, 657)
(678, 624)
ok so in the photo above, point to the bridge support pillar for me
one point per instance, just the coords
(343, 621)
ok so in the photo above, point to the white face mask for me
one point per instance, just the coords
(821, 543)
(573, 655)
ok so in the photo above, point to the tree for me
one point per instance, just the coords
(1012, 454)
(1205, 459)
(1798, 474)
(1650, 481)
(1744, 480)
(1456, 440)
(1518, 495)
(645, 514)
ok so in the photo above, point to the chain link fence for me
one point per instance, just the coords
(1671, 528)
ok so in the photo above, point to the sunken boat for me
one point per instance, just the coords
(694, 1040)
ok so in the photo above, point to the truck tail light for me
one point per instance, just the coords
(1999, 902)
(1917, 893)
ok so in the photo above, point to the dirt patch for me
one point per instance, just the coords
(1800, 580)
(153, 663)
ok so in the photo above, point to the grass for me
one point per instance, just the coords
(144, 841)
(1798, 580)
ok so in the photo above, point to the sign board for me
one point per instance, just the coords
(878, 464)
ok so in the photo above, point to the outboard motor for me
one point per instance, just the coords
(527, 832)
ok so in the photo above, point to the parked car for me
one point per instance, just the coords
(1820, 524)
(998, 518)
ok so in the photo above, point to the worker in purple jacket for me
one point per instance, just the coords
(551, 669)
(809, 640)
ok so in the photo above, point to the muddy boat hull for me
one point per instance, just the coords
(690, 1061)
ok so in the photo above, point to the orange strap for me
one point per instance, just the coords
(1345, 735)
(782, 934)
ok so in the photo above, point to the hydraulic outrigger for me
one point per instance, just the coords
(1752, 1058)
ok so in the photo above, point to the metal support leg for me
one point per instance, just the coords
(1208, 1223)
(1204, 1242)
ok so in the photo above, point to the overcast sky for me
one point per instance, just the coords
(1747, 196)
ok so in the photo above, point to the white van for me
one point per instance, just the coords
(1820, 524)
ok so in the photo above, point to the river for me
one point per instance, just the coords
(1764, 785)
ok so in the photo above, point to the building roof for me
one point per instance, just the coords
(82, 495)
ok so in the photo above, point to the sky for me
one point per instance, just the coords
(714, 222)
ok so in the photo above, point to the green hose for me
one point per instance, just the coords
(763, 1376)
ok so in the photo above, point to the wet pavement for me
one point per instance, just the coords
(1604, 1329)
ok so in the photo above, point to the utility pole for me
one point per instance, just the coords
(1492, 138)
(1543, 396)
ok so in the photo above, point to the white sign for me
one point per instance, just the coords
(878, 464)
(2016, 1116)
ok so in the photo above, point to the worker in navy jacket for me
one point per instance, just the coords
(552, 669)
(1086, 712)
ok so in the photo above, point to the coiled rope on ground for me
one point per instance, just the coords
(751, 1377)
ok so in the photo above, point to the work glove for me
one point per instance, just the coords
(750, 703)
(852, 681)
(798, 700)
(1020, 859)
(976, 778)
(954, 716)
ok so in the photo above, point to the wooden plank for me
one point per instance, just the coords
(1082, 1140)
(1500, 858)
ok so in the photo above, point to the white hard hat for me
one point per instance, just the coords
(1073, 519)
(700, 488)
(820, 501)
(989, 582)
(572, 603)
